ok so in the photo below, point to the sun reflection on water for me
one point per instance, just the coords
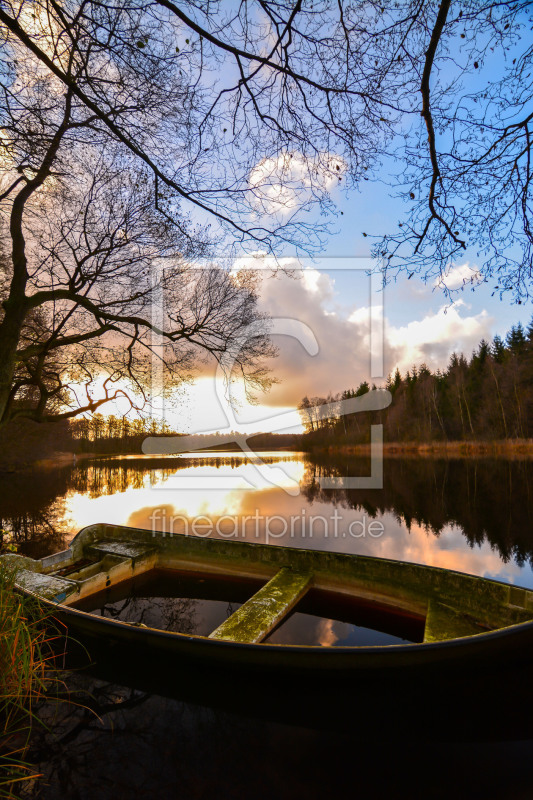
(191, 490)
(474, 517)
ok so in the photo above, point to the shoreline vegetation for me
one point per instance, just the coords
(519, 448)
(482, 405)
(515, 448)
(509, 448)
(28, 675)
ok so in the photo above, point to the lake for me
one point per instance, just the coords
(475, 516)
(470, 515)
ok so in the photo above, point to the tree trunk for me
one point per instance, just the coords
(9, 338)
(500, 400)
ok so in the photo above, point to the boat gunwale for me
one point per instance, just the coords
(298, 550)
(390, 657)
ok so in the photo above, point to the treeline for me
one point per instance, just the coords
(99, 434)
(486, 397)
(476, 497)
(257, 441)
(276, 441)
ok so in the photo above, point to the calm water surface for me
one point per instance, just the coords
(475, 516)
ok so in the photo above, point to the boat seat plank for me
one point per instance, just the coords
(123, 549)
(444, 622)
(261, 613)
(47, 586)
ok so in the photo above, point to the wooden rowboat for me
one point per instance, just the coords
(458, 613)
(469, 628)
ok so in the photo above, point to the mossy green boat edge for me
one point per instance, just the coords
(466, 617)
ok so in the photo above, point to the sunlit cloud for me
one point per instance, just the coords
(343, 336)
(342, 332)
(457, 276)
(169, 498)
(325, 634)
(282, 184)
(432, 339)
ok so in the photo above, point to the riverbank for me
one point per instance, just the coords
(28, 657)
(54, 460)
(507, 448)
(62, 459)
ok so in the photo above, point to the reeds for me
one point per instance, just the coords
(500, 448)
(27, 660)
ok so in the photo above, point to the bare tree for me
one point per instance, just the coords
(102, 261)
(93, 257)
(443, 90)
(466, 164)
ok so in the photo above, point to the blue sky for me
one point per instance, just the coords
(374, 210)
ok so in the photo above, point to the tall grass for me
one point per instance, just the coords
(27, 661)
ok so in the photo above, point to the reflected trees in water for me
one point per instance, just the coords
(489, 499)
(110, 741)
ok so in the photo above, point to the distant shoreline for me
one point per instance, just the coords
(507, 448)
(65, 459)
(61, 459)
(512, 448)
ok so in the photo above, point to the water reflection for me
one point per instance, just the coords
(471, 515)
(180, 602)
(487, 500)
(33, 511)
(120, 742)
(197, 603)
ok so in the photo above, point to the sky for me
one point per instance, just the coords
(321, 312)
(322, 309)
(330, 298)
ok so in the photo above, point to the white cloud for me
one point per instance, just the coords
(436, 336)
(343, 359)
(313, 280)
(286, 182)
(461, 275)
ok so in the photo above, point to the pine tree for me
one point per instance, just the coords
(516, 340)
(498, 350)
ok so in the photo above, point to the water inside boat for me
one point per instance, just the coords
(197, 604)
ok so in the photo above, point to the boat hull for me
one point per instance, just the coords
(440, 692)
(463, 687)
